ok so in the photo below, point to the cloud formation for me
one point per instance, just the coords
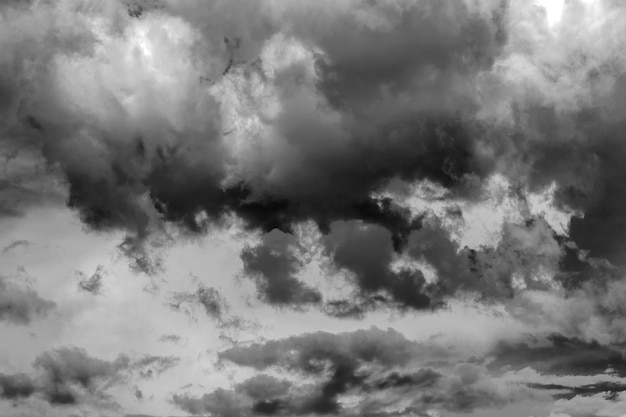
(274, 264)
(163, 120)
(275, 122)
(381, 372)
(21, 305)
(68, 376)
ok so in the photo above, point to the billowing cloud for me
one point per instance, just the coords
(157, 121)
(193, 159)
(274, 122)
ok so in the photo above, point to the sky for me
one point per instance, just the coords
(378, 208)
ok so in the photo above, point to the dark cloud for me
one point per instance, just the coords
(220, 402)
(560, 355)
(285, 113)
(422, 378)
(321, 180)
(386, 346)
(320, 353)
(262, 387)
(610, 390)
(16, 386)
(68, 376)
(377, 369)
(65, 370)
(274, 264)
(410, 92)
(21, 305)
(367, 252)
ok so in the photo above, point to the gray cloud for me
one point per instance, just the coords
(213, 304)
(91, 284)
(150, 366)
(170, 338)
(559, 355)
(68, 376)
(380, 370)
(367, 252)
(400, 92)
(15, 244)
(108, 194)
(273, 264)
(21, 305)
(280, 113)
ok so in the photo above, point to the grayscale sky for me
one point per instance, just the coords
(242, 208)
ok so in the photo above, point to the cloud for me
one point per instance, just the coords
(274, 264)
(213, 304)
(151, 366)
(610, 389)
(64, 369)
(170, 338)
(386, 346)
(16, 386)
(275, 123)
(377, 372)
(367, 252)
(68, 376)
(138, 173)
(374, 371)
(21, 305)
(92, 284)
(167, 119)
(16, 244)
(559, 355)
(590, 311)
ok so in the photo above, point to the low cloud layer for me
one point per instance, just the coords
(376, 372)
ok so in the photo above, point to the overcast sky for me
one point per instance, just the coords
(239, 208)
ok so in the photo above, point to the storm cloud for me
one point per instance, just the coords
(346, 143)
(275, 122)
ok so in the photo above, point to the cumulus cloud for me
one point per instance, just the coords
(190, 113)
(191, 157)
